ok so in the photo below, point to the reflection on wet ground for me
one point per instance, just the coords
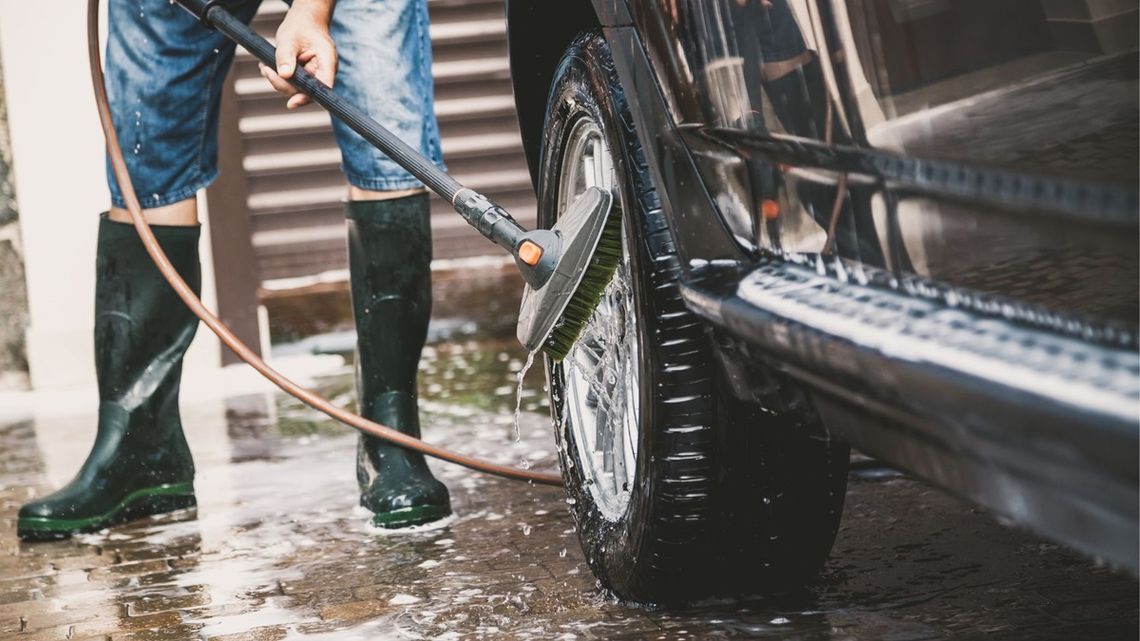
(279, 548)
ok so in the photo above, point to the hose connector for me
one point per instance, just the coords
(535, 252)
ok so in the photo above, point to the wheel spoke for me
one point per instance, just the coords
(601, 382)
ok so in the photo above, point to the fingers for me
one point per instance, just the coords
(310, 62)
(286, 55)
(323, 62)
(298, 99)
(320, 61)
(308, 46)
(279, 84)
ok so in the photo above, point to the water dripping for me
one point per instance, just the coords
(519, 391)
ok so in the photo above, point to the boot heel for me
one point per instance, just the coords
(161, 500)
(154, 505)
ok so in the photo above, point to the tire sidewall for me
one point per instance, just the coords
(616, 551)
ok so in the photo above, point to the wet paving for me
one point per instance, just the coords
(279, 549)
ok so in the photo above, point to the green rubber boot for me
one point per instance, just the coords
(140, 464)
(389, 255)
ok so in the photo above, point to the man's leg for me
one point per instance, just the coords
(164, 74)
(385, 66)
(389, 252)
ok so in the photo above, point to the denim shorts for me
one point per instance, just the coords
(766, 33)
(165, 74)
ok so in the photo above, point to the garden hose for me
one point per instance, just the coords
(227, 337)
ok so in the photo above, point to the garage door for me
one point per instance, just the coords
(292, 185)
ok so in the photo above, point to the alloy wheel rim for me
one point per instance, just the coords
(600, 376)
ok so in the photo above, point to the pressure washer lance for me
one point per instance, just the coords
(554, 284)
(566, 268)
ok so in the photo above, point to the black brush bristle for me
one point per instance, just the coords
(586, 298)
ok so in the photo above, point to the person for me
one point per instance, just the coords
(165, 73)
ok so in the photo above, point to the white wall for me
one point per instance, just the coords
(57, 151)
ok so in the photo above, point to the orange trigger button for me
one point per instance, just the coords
(530, 253)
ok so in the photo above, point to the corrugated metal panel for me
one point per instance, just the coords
(291, 162)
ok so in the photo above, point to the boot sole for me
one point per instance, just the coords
(410, 516)
(149, 501)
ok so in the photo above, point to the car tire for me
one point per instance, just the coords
(719, 496)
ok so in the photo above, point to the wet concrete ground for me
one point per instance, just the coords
(278, 548)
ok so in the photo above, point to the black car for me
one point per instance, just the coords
(905, 225)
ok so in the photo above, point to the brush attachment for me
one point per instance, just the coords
(553, 315)
(589, 292)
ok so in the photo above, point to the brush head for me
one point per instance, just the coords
(553, 315)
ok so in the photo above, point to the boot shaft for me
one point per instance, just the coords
(389, 253)
(142, 328)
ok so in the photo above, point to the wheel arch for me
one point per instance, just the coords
(538, 32)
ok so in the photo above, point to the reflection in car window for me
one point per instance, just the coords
(1038, 87)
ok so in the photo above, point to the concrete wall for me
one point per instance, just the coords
(57, 158)
(13, 294)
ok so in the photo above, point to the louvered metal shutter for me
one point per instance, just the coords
(294, 188)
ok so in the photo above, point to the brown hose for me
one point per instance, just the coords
(245, 353)
(836, 209)
(840, 187)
